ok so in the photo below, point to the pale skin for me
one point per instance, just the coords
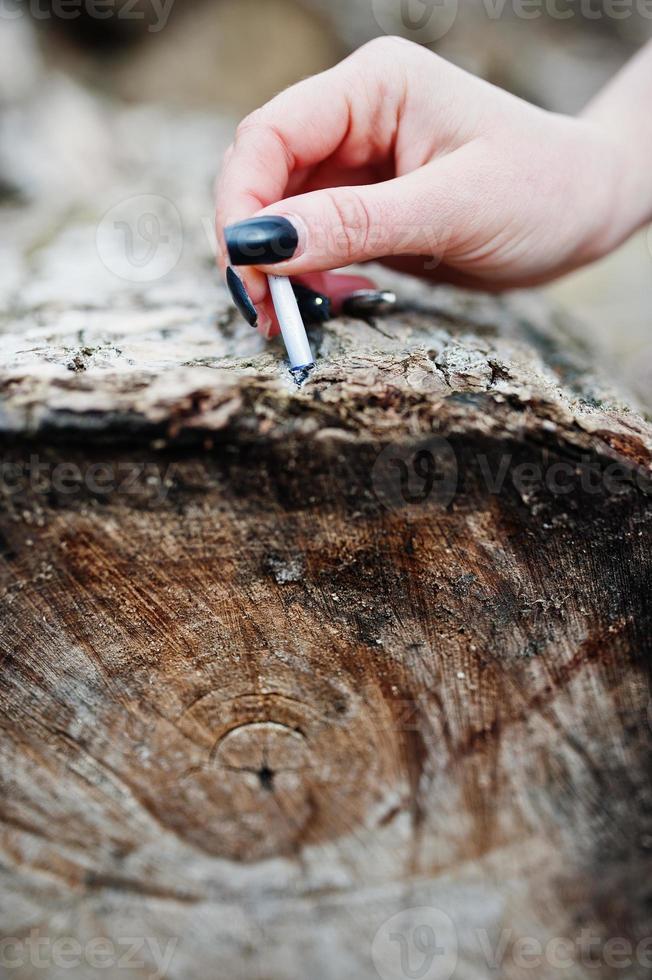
(397, 155)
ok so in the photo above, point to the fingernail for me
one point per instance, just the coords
(241, 297)
(261, 241)
(313, 306)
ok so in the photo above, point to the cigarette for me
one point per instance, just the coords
(292, 328)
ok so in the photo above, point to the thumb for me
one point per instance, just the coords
(338, 226)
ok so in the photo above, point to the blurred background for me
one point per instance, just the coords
(96, 93)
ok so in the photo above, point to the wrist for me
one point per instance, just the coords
(619, 113)
(623, 197)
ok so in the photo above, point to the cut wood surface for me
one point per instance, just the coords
(281, 665)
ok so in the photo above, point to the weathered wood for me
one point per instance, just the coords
(258, 696)
(262, 678)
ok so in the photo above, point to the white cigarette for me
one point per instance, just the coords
(292, 328)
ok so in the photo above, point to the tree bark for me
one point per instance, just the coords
(281, 663)
(298, 682)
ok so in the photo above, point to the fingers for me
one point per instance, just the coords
(439, 273)
(430, 213)
(291, 132)
(349, 111)
(333, 117)
(343, 123)
(271, 146)
(425, 213)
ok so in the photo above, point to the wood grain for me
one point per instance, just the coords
(260, 674)
(279, 666)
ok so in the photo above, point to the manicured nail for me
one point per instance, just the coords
(240, 297)
(261, 241)
(313, 306)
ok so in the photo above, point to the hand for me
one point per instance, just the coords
(397, 155)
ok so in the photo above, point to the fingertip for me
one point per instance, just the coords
(250, 294)
(268, 325)
(221, 261)
(270, 241)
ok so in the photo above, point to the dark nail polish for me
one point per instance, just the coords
(313, 306)
(369, 302)
(240, 297)
(261, 241)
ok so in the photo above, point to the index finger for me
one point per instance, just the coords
(290, 132)
(301, 127)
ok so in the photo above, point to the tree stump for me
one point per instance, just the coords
(289, 675)
(351, 680)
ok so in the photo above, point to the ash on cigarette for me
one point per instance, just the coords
(301, 374)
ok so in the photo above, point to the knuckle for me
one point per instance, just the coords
(387, 62)
(251, 122)
(378, 43)
(386, 46)
(262, 124)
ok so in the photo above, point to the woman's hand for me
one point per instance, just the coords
(397, 155)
